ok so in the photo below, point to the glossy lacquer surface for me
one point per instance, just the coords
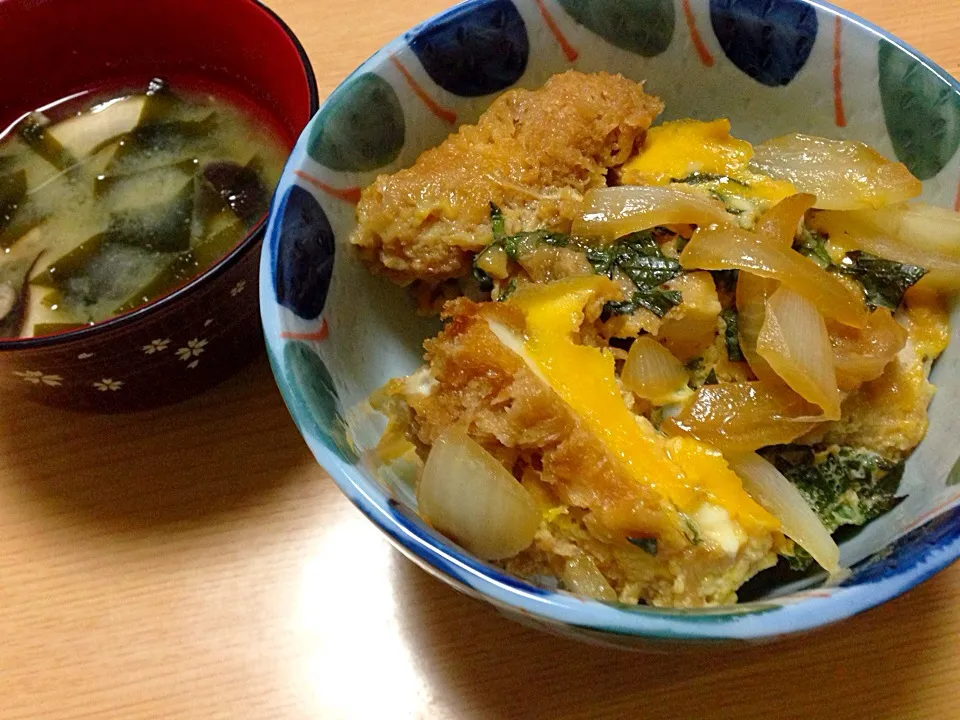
(195, 562)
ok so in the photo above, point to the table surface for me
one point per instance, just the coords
(195, 562)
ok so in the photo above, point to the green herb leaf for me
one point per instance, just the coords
(656, 300)
(698, 178)
(508, 290)
(884, 281)
(843, 485)
(638, 256)
(691, 530)
(483, 279)
(725, 280)
(497, 221)
(731, 335)
(812, 244)
(647, 544)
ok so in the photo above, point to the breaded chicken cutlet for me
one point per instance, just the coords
(533, 153)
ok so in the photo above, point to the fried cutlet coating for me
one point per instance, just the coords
(477, 383)
(533, 153)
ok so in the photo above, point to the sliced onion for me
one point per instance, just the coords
(916, 234)
(795, 343)
(780, 498)
(752, 294)
(613, 212)
(652, 372)
(494, 262)
(470, 497)
(730, 248)
(782, 221)
(691, 327)
(843, 174)
(581, 576)
(860, 356)
(741, 417)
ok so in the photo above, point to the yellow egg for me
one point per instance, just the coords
(676, 150)
(686, 472)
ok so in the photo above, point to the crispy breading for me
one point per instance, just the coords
(533, 153)
(479, 384)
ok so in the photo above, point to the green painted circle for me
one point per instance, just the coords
(644, 27)
(315, 400)
(921, 110)
(361, 127)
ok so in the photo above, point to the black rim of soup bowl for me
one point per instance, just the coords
(250, 240)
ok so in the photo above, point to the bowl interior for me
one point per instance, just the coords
(335, 333)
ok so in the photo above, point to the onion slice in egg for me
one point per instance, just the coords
(780, 498)
(613, 212)
(843, 174)
(466, 494)
(741, 417)
(730, 248)
(860, 356)
(581, 576)
(752, 294)
(653, 373)
(915, 234)
(795, 343)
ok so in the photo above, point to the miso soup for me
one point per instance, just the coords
(110, 205)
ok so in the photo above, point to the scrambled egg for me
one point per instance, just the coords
(705, 154)
(889, 415)
(550, 409)
(533, 379)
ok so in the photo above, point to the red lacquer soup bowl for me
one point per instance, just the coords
(204, 330)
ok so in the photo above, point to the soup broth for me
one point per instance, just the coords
(110, 205)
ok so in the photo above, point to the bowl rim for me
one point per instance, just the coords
(250, 239)
(752, 621)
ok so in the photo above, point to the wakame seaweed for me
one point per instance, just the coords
(33, 131)
(13, 189)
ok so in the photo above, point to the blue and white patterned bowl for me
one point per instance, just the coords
(335, 333)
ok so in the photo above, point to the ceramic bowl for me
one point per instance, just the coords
(335, 332)
(198, 334)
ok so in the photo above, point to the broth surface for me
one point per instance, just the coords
(108, 204)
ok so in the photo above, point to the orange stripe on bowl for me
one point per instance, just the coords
(569, 50)
(839, 115)
(705, 57)
(933, 513)
(350, 195)
(319, 336)
(448, 116)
